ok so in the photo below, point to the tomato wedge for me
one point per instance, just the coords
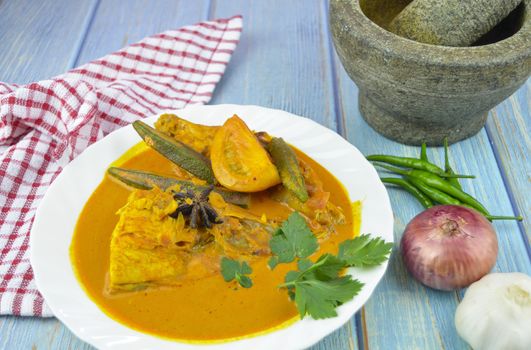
(239, 161)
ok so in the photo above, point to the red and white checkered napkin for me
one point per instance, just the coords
(45, 125)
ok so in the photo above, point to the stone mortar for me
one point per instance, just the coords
(413, 92)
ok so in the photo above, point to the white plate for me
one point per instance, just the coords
(56, 218)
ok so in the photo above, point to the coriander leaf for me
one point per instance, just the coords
(339, 290)
(293, 239)
(245, 268)
(304, 264)
(301, 301)
(282, 249)
(327, 267)
(364, 251)
(317, 288)
(319, 299)
(244, 281)
(291, 276)
(277, 232)
(330, 268)
(298, 233)
(272, 262)
(291, 294)
(229, 268)
(235, 270)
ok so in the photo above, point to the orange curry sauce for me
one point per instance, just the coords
(198, 311)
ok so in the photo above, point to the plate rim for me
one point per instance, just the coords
(308, 340)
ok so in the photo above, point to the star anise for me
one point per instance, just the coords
(196, 208)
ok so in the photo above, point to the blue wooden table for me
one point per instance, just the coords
(286, 60)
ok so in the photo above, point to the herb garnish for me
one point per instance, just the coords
(319, 287)
(236, 270)
(293, 239)
(364, 251)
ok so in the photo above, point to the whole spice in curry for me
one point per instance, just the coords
(196, 208)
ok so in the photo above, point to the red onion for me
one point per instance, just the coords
(449, 247)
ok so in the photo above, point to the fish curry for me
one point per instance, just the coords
(148, 243)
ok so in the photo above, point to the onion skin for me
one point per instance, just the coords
(448, 247)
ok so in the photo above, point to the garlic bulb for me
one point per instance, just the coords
(496, 313)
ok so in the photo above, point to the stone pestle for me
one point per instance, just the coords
(450, 22)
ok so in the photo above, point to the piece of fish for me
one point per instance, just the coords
(149, 248)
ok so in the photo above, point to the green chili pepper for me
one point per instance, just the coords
(448, 169)
(436, 182)
(497, 217)
(500, 217)
(423, 183)
(434, 194)
(421, 197)
(414, 163)
(443, 198)
(423, 152)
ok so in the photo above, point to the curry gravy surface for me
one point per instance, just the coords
(203, 310)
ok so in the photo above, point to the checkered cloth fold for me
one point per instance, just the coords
(44, 125)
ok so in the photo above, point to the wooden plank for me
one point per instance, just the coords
(339, 340)
(402, 314)
(283, 62)
(55, 49)
(119, 23)
(28, 54)
(37, 333)
(39, 38)
(509, 129)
